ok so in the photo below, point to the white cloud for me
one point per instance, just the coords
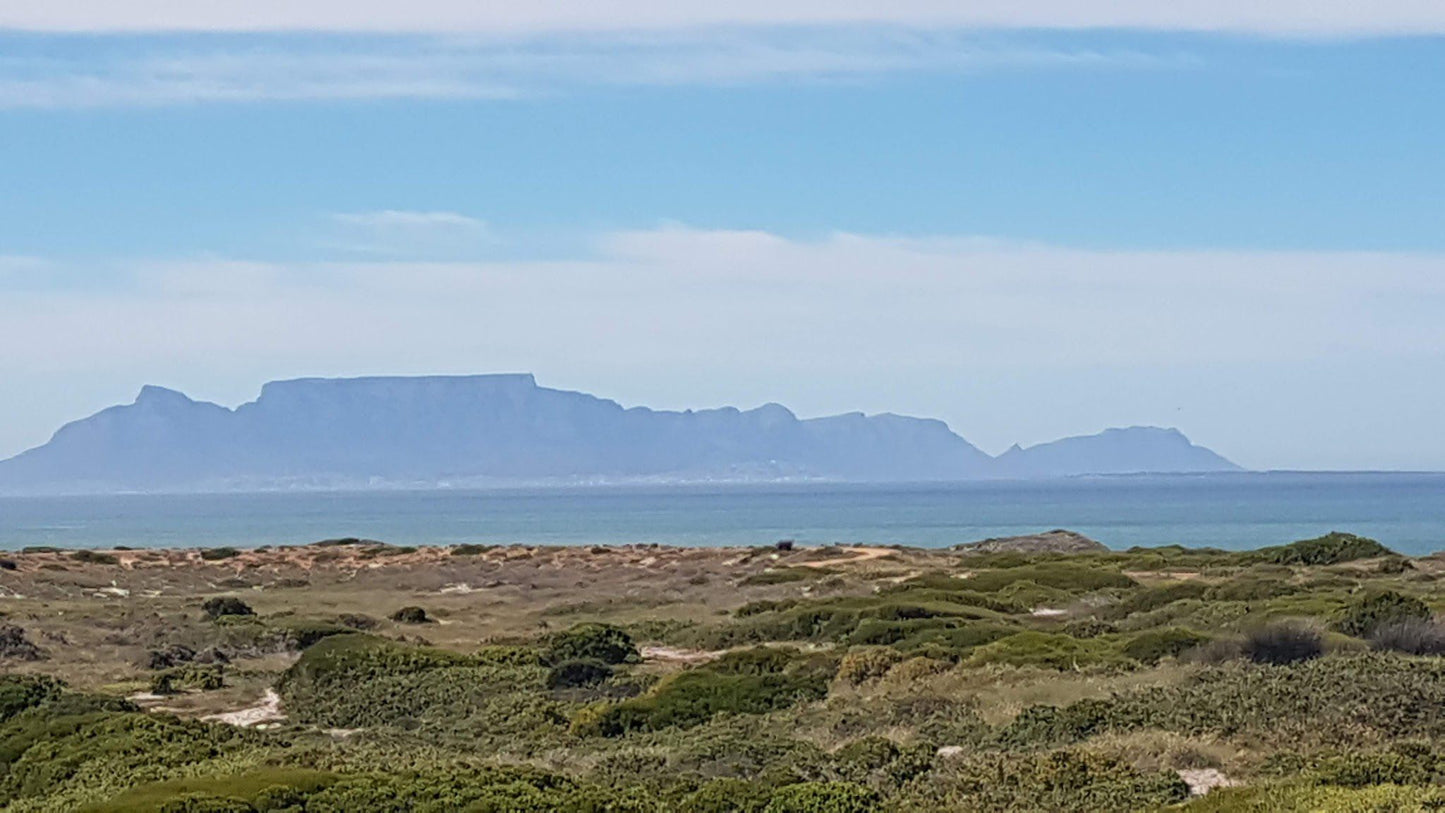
(1290, 17)
(170, 70)
(1282, 358)
(410, 234)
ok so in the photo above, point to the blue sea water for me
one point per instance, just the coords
(1235, 511)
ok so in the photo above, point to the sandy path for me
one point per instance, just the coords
(859, 555)
(267, 711)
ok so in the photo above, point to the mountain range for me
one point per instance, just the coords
(440, 431)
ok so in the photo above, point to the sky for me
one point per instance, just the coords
(1029, 219)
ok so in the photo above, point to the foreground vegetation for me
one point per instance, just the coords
(771, 680)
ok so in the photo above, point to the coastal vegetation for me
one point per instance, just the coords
(773, 679)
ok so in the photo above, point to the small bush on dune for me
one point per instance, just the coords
(1064, 576)
(1412, 636)
(411, 615)
(864, 665)
(1331, 549)
(578, 673)
(1047, 650)
(1373, 609)
(823, 797)
(1284, 642)
(1155, 645)
(603, 642)
(91, 557)
(226, 605)
(218, 554)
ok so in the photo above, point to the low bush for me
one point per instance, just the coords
(1283, 642)
(218, 554)
(578, 673)
(603, 642)
(1047, 650)
(1152, 598)
(411, 615)
(91, 557)
(780, 575)
(1331, 549)
(1065, 576)
(1412, 636)
(867, 664)
(1155, 645)
(226, 605)
(470, 550)
(1375, 608)
(15, 645)
(696, 696)
(823, 797)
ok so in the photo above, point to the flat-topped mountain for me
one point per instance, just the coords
(500, 429)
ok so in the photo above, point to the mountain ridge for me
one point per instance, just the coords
(498, 429)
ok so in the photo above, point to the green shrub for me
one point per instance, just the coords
(728, 795)
(1374, 608)
(758, 660)
(23, 692)
(1250, 589)
(823, 797)
(1047, 650)
(697, 695)
(470, 550)
(1152, 598)
(604, 642)
(781, 575)
(577, 673)
(91, 557)
(226, 605)
(864, 665)
(1065, 576)
(411, 615)
(1155, 645)
(1331, 549)
(1401, 764)
(217, 554)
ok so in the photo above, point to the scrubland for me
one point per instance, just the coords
(351, 675)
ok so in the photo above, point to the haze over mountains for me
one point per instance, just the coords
(504, 429)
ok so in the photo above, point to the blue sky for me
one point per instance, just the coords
(1029, 225)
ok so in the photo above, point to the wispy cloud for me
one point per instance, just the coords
(178, 70)
(1254, 16)
(414, 235)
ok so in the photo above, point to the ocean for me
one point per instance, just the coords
(1233, 511)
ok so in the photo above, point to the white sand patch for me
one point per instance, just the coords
(1203, 780)
(267, 711)
(1048, 612)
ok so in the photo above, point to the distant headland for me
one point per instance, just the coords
(485, 430)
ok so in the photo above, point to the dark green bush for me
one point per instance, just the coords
(1331, 549)
(1374, 608)
(411, 615)
(604, 642)
(823, 797)
(1155, 645)
(1047, 650)
(1152, 598)
(577, 673)
(1066, 576)
(697, 695)
(226, 605)
(217, 554)
(91, 557)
